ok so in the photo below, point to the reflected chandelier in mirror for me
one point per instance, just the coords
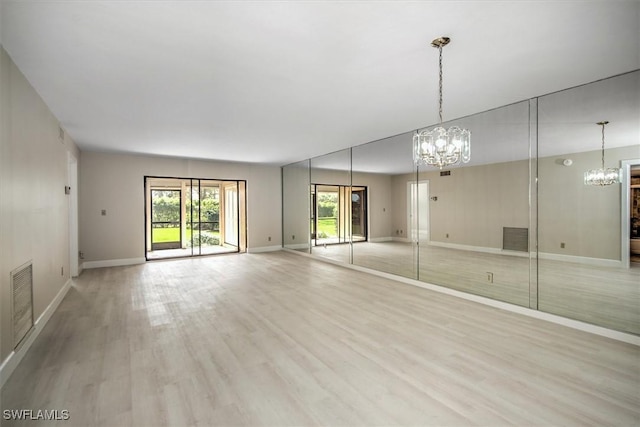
(603, 176)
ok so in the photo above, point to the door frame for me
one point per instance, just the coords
(242, 214)
(625, 208)
(74, 251)
(413, 234)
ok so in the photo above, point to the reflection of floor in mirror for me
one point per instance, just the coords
(605, 296)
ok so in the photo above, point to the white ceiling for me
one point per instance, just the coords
(276, 82)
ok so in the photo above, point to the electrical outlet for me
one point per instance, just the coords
(562, 245)
(447, 235)
(269, 238)
(293, 237)
(62, 271)
(103, 212)
(489, 277)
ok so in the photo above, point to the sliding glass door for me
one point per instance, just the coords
(192, 217)
(165, 219)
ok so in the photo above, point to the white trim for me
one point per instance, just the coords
(72, 177)
(11, 362)
(625, 224)
(380, 239)
(297, 246)
(401, 239)
(483, 249)
(264, 249)
(113, 262)
(574, 324)
(601, 262)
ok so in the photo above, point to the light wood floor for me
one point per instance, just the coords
(604, 296)
(279, 339)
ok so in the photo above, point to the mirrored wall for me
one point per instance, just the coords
(515, 224)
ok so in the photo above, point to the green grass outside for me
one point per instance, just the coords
(327, 226)
(163, 235)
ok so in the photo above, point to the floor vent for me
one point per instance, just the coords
(22, 302)
(515, 239)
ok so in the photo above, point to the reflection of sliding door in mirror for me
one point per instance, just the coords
(330, 178)
(192, 217)
(358, 214)
(339, 213)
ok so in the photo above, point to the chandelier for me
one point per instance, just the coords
(441, 147)
(603, 176)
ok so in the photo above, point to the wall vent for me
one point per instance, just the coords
(445, 173)
(22, 302)
(515, 239)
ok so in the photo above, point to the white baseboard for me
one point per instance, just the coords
(11, 362)
(574, 324)
(297, 246)
(483, 249)
(380, 239)
(113, 262)
(401, 239)
(265, 249)
(600, 262)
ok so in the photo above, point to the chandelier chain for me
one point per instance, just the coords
(603, 124)
(440, 85)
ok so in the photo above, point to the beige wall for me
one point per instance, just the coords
(34, 211)
(296, 205)
(115, 182)
(474, 203)
(380, 204)
(585, 218)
